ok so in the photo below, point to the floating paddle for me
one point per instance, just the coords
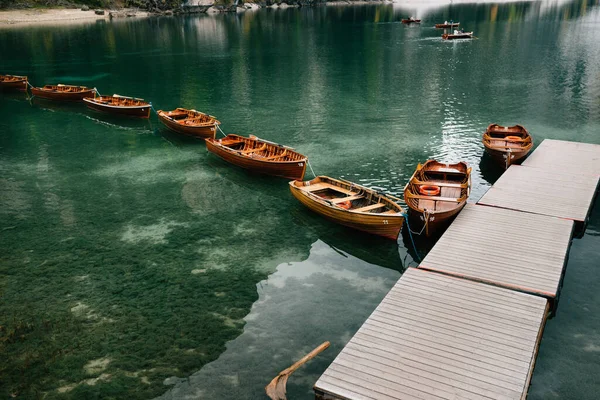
(276, 388)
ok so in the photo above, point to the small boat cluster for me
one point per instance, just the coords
(435, 193)
(455, 34)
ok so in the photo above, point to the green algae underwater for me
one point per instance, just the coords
(133, 264)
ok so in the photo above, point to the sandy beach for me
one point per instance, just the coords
(52, 16)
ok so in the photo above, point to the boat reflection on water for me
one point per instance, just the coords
(369, 248)
(489, 169)
(62, 106)
(415, 247)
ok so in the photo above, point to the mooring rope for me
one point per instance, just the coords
(311, 168)
(29, 86)
(152, 107)
(411, 237)
(221, 130)
(97, 92)
(426, 221)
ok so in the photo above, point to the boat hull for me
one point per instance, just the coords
(204, 132)
(134, 111)
(446, 26)
(507, 158)
(20, 85)
(432, 224)
(285, 169)
(503, 149)
(430, 214)
(62, 96)
(447, 36)
(387, 226)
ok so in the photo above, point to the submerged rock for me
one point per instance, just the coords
(94, 367)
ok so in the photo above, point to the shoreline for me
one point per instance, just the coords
(62, 16)
(70, 16)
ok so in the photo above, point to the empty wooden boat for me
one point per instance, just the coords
(63, 92)
(259, 155)
(120, 105)
(189, 122)
(457, 35)
(351, 205)
(447, 24)
(411, 20)
(13, 82)
(507, 145)
(435, 194)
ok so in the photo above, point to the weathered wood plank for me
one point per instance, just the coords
(458, 339)
(434, 372)
(464, 367)
(486, 295)
(451, 352)
(574, 157)
(547, 192)
(476, 247)
(419, 343)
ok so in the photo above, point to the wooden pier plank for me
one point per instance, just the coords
(573, 157)
(480, 245)
(543, 191)
(419, 349)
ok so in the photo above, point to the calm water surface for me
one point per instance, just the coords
(133, 264)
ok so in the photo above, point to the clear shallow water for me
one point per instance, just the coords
(131, 255)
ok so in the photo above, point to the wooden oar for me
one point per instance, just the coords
(276, 389)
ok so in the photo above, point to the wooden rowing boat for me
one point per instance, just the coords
(259, 155)
(13, 82)
(63, 92)
(189, 122)
(447, 24)
(457, 35)
(435, 194)
(120, 105)
(351, 205)
(411, 21)
(507, 145)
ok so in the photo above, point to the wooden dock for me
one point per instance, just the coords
(467, 322)
(439, 337)
(506, 248)
(544, 191)
(571, 157)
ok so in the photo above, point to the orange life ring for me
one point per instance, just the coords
(429, 190)
(345, 205)
(512, 138)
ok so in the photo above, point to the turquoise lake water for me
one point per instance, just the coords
(133, 264)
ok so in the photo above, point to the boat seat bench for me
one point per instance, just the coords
(452, 192)
(431, 205)
(427, 205)
(438, 198)
(349, 198)
(442, 184)
(444, 206)
(320, 186)
(370, 207)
